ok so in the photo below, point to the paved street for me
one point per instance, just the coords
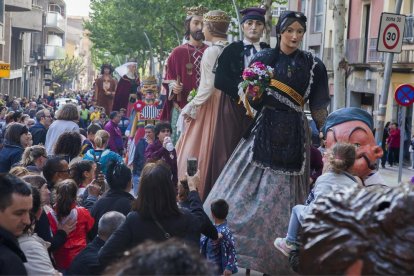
(390, 175)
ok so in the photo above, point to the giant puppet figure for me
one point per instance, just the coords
(201, 112)
(183, 68)
(355, 125)
(146, 111)
(127, 90)
(267, 173)
(105, 88)
(232, 122)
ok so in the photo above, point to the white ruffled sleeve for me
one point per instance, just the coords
(206, 87)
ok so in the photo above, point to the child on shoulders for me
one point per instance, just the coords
(338, 175)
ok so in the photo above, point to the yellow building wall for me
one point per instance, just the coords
(70, 48)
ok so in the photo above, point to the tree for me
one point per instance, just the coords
(66, 70)
(267, 5)
(117, 26)
(339, 55)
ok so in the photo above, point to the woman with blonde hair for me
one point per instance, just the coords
(34, 158)
(67, 120)
(100, 154)
(19, 171)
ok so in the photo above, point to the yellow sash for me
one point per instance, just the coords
(289, 91)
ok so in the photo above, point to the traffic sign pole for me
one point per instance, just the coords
(402, 133)
(382, 108)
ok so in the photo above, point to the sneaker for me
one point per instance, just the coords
(283, 246)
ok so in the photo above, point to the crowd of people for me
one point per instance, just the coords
(128, 181)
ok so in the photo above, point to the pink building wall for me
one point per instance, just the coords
(355, 20)
(377, 7)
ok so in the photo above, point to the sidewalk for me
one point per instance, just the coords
(390, 174)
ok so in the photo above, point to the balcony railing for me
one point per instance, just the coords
(409, 29)
(53, 52)
(355, 52)
(55, 21)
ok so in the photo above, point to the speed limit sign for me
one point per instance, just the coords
(391, 33)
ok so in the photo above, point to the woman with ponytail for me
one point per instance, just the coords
(337, 177)
(100, 154)
(66, 209)
(34, 159)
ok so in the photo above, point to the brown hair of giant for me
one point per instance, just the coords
(218, 28)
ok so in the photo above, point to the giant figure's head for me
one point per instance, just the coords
(149, 87)
(253, 23)
(194, 23)
(355, 126)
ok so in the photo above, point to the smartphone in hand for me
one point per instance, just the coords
(192, 166)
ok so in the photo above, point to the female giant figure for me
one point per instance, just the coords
(268, 172)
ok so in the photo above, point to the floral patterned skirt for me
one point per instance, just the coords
(260, 203)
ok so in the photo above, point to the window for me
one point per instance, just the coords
(316, 51)
(277, 11)
(1, 11)
(318, 16)
(302, 6)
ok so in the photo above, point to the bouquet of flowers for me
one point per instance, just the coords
(191, 95)
(256, 78)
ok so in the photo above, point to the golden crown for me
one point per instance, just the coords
(216, 18)
(148, 80)
(199, 10)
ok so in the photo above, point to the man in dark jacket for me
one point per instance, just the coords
(86, 262)
(15, 205)
(39, 130)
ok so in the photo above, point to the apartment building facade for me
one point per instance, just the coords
(32, 33)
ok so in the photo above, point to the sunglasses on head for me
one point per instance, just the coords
(290, 14)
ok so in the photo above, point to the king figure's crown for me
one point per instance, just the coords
(199, 10)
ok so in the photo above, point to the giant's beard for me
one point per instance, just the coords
(197, 35)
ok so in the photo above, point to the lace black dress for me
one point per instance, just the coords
(268, 172)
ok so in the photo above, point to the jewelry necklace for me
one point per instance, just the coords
(189, 66)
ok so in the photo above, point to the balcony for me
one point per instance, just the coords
(17, 5)
(30, 21)
(409, 30)
(53, 52)
(55, 22)
(355, 53)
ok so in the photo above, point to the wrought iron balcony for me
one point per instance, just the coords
(357, 53)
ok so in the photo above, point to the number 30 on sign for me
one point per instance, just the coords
(391, 33)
